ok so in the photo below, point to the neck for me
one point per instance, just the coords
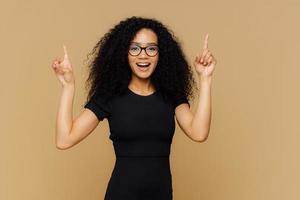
(142, 85)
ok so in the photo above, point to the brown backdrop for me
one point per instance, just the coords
(252, 150)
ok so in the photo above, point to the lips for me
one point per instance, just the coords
(140, 64)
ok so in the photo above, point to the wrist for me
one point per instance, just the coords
(69, 86)
(205, 78)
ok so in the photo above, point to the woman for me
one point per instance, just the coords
(139, 79)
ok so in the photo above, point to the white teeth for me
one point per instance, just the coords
(143, 64)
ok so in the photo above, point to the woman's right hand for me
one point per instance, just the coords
(64, 70)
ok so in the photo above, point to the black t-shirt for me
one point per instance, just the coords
(139, 125)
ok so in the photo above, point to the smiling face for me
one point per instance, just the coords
(143, 65)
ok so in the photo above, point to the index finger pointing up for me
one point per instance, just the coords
(65, 51)
(206, 41)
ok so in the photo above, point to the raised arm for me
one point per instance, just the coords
(197, 125)
(68, 131)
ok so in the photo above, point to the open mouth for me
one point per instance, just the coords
(143, 64)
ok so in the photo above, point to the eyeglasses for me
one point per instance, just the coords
(150, 50)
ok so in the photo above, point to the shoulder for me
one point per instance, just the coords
(99, 105)
(180, 99)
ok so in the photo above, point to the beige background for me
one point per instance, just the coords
(252, 150)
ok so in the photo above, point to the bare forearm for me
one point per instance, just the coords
(64, 115)
(202, 117)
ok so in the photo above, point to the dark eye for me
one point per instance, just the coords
(152, 48)
(134, 48)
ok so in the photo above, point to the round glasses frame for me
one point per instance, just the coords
(147, 48)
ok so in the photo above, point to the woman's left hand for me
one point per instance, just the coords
(205, 62)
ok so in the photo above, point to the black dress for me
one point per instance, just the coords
(141, 129)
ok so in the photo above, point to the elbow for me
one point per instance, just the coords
(201, 138)
(200, 134)
(62, 146)
(63, 143)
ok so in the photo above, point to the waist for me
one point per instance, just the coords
(143, 156)
(147, 149)
(140, 163)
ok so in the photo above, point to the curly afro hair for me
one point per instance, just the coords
(109, 70)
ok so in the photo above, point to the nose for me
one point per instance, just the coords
(143, 53)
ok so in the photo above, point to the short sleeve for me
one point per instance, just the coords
(98, 106)
(179, 100)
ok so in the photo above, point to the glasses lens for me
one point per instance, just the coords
(152, 50)
(134, 50)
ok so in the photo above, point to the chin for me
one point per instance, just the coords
(143, 74)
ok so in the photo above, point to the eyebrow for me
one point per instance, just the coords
(151, 43)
